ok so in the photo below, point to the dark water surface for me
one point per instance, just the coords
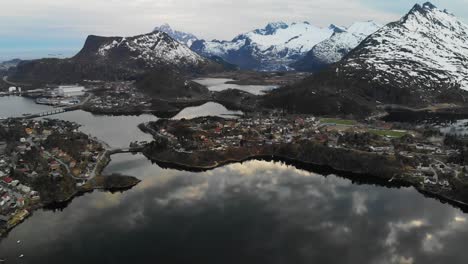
(254, 212)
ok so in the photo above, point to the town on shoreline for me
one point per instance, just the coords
(420, 156)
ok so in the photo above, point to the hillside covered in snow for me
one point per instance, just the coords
(274, 47)
(418, 61)
(427, 49)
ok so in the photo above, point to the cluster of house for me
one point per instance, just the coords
(26, 153)
(260, 130)
(78, 169)
(120, 95)
(251, 131)
(32, 133)
(13, 194)
(437, 173)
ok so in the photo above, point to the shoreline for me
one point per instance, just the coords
(319, 169)
(79, 192)
(99, 182)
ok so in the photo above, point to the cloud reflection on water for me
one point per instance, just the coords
(254, 212)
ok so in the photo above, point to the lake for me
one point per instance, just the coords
(251, 212)
(220, 84)
(208, 109)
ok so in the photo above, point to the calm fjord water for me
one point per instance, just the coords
(254, 212)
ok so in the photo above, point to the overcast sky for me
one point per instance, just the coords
(40, 28)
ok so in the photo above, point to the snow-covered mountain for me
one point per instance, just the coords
(153, 50)
(426, 52)
(272, 48)
(336, 47)
(183, 37)
(118, 58)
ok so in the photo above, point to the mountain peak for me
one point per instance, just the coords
(165, 26)
(429, 5)
(425, 8)
(182, 37)
(272, 27)
(336, 29)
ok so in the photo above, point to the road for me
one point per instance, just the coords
(61, 162)
(77, 106)
(5, 79)
(92, 174)
(98, 161)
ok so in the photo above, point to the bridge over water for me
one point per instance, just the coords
(125, 150)
(47, 113)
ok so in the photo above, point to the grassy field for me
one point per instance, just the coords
(388, 133)
(338, 121)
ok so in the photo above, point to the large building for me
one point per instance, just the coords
(70, 90)
(14, 89)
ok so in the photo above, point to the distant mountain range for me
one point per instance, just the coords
(418, 61)
(272, 48)
(281, 46)
(336, 47)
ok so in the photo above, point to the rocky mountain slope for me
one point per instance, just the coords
(116, 58)
(336, 47)
(426, 50)
(272, 48)
(185, 38)
(6, 65)
(418, 61)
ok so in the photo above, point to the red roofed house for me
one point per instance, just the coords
(7, 180)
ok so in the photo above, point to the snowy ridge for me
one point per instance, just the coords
(427, 49)
(295, 38)
(185, 38)
(271, 48)
(337, 46)
(153, 49)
